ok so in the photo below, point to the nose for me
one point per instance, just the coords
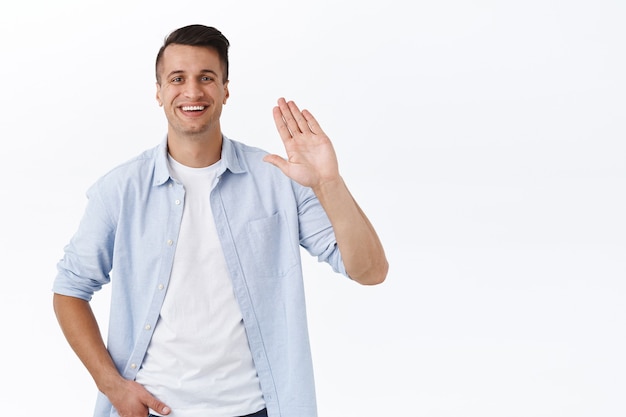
(193, 89)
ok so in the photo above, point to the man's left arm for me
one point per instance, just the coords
(311, 161)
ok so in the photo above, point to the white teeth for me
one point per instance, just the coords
(192, 108)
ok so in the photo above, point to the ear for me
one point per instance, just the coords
(226, 92)
(158, 94)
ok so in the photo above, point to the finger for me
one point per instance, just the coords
(301, 121)
(157, 405)
(289, 112)
(312, 122)
(281, 126)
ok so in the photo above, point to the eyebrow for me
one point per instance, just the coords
(178, 72)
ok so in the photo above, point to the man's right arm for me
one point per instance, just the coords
(81, 330)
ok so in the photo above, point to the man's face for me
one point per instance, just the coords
(191, 90)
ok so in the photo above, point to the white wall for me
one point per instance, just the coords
(484, 139)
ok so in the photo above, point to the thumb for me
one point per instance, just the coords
(158, 406)
(277, 161)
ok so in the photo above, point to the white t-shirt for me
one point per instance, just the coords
(199, 361)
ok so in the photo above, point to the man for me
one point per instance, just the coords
(201, 236)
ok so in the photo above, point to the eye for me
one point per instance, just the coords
(207, 79)
(176, 80)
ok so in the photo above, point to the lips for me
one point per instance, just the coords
(192, 108)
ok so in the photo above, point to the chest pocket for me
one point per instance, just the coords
(271, 246)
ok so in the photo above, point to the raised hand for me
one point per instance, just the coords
(311, 159)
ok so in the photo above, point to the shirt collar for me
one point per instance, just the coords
(230, 161)
(231, 158)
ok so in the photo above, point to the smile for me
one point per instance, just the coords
(192, 108)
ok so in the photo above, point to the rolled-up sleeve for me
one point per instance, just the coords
(87, 259)
(316, 232)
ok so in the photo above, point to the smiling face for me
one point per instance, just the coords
(192, 91)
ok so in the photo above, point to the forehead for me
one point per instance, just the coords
(188, 58)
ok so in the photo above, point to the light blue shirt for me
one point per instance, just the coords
(128, 237)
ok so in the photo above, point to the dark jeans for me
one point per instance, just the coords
(262, 413)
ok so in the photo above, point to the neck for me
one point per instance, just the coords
(195, 151)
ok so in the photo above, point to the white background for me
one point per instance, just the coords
(484, 139)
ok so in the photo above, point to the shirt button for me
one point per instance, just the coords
(177, 202)
(133, 366)
(170, 185)
(170, 242)
(148, 327)
(161, 286)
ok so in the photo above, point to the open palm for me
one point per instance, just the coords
(311, 159)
